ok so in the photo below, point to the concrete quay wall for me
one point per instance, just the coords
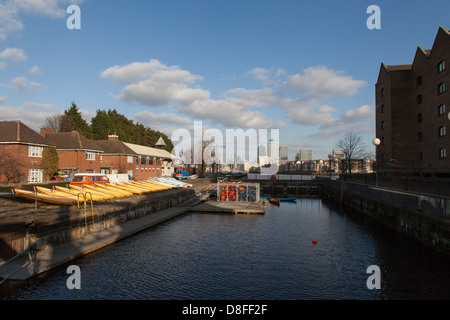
(55, 225)
(430, 229)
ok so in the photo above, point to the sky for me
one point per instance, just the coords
(306, 68)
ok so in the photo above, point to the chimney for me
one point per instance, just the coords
(113, 137)
(45, 131)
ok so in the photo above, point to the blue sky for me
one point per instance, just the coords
(307, 68)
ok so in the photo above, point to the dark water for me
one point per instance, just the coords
(246, 257)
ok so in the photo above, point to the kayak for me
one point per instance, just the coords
(274, 201)
(282, 199)
(52, 199)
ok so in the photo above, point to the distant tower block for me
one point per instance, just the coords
(160, 143)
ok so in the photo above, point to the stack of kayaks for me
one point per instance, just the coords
(42, 197)
(97, 192)
(171, 182)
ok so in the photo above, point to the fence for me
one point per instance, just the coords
(419, 201)
(289, 177)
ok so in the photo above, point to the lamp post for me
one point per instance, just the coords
(376, 142)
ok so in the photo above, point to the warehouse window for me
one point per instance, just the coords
(442, 153)
(441, 109)
(419, 99)
(419, 136)
(441, 66)
(441, 131)
(441, 88)
(419, 118)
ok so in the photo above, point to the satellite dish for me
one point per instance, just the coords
(448, 116)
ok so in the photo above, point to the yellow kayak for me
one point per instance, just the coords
(114, 189)
(159, 184)
(96, 193)
(108, 192)
(56, 193)
(75, 192)
(148, 185)
(130, 189)
(52, 199)
(135, 185)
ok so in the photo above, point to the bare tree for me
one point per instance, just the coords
(59, 123)
(353, 148)
(10, 169)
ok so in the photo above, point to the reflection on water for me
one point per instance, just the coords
(271, 257)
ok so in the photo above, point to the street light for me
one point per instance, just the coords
(376, 142)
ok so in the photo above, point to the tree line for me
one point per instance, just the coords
(106, 123)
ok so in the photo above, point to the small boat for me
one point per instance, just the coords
(47, 198)
(282, 199)
(274, 201)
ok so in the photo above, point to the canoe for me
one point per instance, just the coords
(85, 190)
(274, 201)
(52, 199)
(116, 189)
(76, 193)
(56, 193)
(283, 199)
(105, 191)
(135, 185)
(123, 187)
(159, 184)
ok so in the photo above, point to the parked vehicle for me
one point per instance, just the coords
(80, 179)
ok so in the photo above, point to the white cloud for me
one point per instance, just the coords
(351, 116)
(11, 56)
(322, 82)
(155, 120)
(32, 114)
(155, 84)
(11, 11)
(21, 83)
(35, 70)
(229, 114)
(251, 98)
(267, 76)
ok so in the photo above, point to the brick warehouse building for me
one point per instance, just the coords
(412, 113)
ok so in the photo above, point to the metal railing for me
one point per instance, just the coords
(30, 250)
(431, 203)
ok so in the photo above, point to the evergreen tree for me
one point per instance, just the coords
(79, 123)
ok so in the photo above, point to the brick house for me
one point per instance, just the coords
(412, 112)
(21, 150)
(76, 153)
(117, 157)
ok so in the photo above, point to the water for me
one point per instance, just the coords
(201, 256)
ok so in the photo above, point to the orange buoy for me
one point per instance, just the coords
(314, 241)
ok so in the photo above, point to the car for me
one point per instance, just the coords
(88, 179)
